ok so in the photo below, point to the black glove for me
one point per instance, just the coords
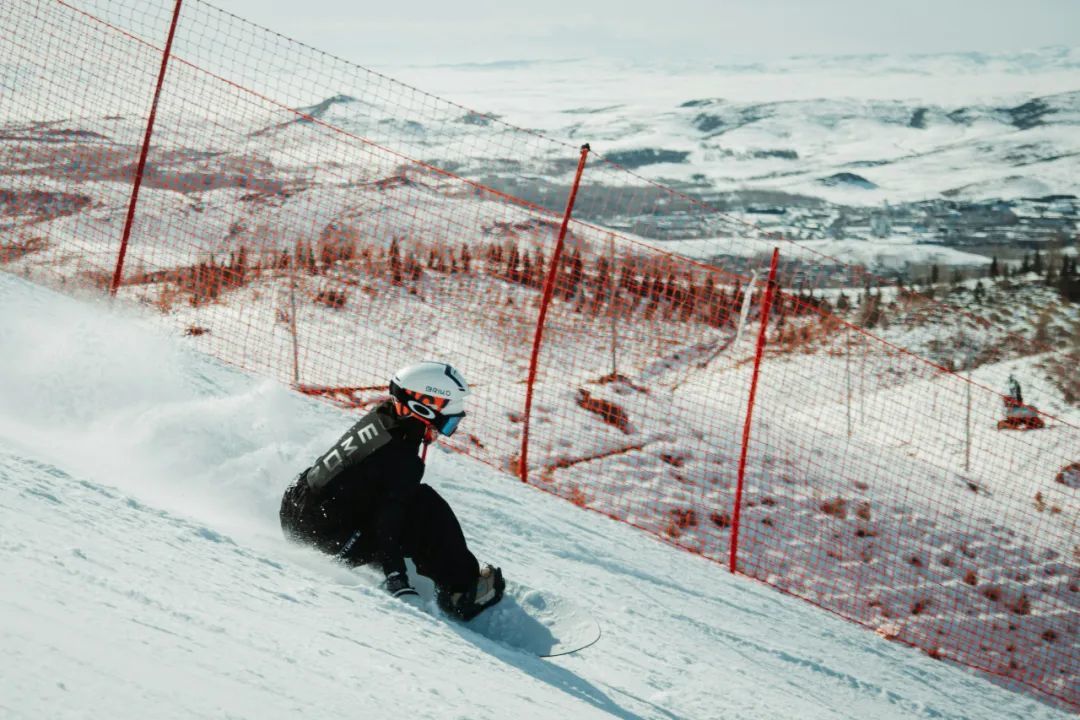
(397, 584)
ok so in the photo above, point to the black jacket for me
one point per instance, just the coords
(372, 495)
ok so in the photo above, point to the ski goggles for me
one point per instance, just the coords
(447, 424)
(427, 409)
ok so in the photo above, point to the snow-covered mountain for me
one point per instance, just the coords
(906, 127)
(813, 137)
(145, 574)
(849, 130)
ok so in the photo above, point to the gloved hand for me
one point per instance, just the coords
(397, 584)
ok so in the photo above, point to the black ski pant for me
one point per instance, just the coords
(431, 537)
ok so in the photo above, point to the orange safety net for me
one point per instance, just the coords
(310, 220)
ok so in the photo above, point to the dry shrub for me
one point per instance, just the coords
(720, 520)
(334, 299)
(673, 460)
(100, 279)
(167, 294)
(203, 282)
(862, 511)
(621, 380)
(684, 518)
(609, 412)
(971, 578)
(16, 249)
(196, 330)
(337, 243)
(837, 507)
(1020, 606)
(1069, 476)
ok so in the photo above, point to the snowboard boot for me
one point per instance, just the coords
(468, 604)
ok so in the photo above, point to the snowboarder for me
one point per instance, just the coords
(363, 501)
(1014, 390)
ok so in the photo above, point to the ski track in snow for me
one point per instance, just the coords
(145, 574)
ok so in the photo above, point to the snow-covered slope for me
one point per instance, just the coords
(145, 574)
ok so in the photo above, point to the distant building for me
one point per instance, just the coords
(880, 225)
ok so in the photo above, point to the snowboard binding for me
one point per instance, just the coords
(487, 591)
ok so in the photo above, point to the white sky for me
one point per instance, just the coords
(445, 31)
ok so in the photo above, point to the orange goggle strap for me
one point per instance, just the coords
(435, 403)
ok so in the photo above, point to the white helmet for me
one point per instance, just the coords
(432, 392)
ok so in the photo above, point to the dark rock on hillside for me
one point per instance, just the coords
(308, 114)
(961, 116)
(319, 109)
(719, 123)
(846, 178)
(591, 110)
(631, 159)
(918, 119)
(707, 123)
(1030, 114)
(475, 118)
(1049, 198)
(781, 154)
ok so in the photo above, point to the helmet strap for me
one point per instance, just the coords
(430, 434)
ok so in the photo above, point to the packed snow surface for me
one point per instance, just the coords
(145, 574)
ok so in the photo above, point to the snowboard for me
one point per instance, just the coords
(537, 622)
